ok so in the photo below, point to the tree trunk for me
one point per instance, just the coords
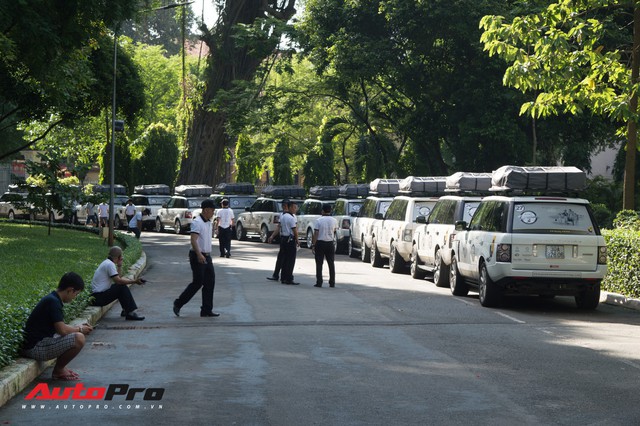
(207, 139)
(628, 198)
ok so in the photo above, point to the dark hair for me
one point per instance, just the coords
(225, 202)
(326, 208)
(71, 279)
(207, 204)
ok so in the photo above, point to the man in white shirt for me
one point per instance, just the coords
(288, 243)
(135, 224)
(322, 245)
(107, 285)
(103, 212)
(201, 264)
(225, 223)
(130, 210)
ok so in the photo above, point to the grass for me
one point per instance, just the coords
(31, 264)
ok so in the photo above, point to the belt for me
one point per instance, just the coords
(203, 253)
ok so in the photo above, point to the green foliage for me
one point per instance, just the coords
(159, 159)
(623, 262)
(627, 220)
(282, 164)
(600, 190)
(32, 266)
(604, 217)
(248, 160)
(318, 169)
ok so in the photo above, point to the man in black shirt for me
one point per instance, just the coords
(46, 334)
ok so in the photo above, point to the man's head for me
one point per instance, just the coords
(293, 207)
(225, 203)
(146, 212)
(208, 207)
(115, 253)
(326, 209)
(70, 285)
(285, 205)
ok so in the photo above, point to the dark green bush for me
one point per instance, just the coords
(603, 215)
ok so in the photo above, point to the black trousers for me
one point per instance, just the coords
(325, 250)
(288, 249)
(120, 292)
(204, 277)
(224, 239)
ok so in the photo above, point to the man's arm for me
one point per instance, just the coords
(64, 329)
(196, 248)
(118, 279)
(275, 233)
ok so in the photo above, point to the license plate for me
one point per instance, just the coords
(554, 252)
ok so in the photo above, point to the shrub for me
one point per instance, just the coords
(603, 215)
(623, 262)
(627, 219)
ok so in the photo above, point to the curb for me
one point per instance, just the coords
(17, 376)
(620, 300)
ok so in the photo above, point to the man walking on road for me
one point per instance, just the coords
(225, 224)
(322, 245)
(201, 264)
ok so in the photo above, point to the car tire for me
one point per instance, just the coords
(241, 235)
(416, 272)
(159, 226)
(489, 293)
(440, 271)
(350, 250)
(177, 227)
(264, 233)
(309, 238)
(375, 258)
(12, 215)
(457, 284)
(589, 298)
(396, 262)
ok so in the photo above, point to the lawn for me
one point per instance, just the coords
(31, 264)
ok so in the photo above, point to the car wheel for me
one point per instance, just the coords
(588, 298)
(309, 238)
(240, 232)
(457, 283)
(264, 233)
(11, 215)
(350, 251)
(116, 222)
(416, 272)
(489, 293)
(376, 259)
(396, 262)
(159, 227)
(177, 227)
(365, 253)
(440, 271)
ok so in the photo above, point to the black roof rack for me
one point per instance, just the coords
(324, 192)
(235, 188)
(539, 180)
(467, 182)
(284, 191)
(117, 189)
(384, 187)
(193, 190)
(427, 185)
(354, 190)
(155, 189)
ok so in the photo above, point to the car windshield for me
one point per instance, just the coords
(561, 218)
(241, 202)
(158, 201)
(195, 202)
(354, 207)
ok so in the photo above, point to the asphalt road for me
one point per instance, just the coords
(378, 349)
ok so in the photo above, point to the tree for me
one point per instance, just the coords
(159, 159)
(248, 161)
(282, 163)
(575, 57)
(247, 32)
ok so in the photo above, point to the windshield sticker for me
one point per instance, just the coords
(528, 217)
(424, 211)
(567, 217)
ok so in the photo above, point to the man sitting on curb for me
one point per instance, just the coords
(48, 337)
(105, 292)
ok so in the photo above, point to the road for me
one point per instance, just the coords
(378, 349)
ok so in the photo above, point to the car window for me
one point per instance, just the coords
(421, 208)
(396, 209)
(156, 201)
(469, 209)
(552, 218)
(240, 202)
(171, 203)
(194, 203)
(339, 208)
(368, 208)
(383, 207)
(482, 220)
(354, 207)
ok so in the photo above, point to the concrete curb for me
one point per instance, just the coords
(620, 300)
(17, 376)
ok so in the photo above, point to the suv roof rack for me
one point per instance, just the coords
(156, 189)
(540, 179)
(235, 188)
(384, 187)
(193, 190)
(467, 182)
(117, 189)
(427, 185)
(354, 190)
(324, 192)
(284, 191)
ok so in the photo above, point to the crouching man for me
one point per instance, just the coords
(48, 337)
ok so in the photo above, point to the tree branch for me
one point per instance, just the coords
(28, 144)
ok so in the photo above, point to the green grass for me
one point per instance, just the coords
(31, 264)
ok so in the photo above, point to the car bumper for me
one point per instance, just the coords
(518, 281)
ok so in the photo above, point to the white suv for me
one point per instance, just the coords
(344, 210)
(151, 197)
(178, 212)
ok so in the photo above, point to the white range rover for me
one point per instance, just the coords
(532, 245)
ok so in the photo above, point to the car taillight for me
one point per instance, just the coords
(602, 255)
(346, 223)
(188, 214)
(504, 253)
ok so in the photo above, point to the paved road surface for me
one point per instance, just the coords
(378, 349)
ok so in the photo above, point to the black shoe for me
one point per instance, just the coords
(290, 283)
(317, 285)
(273, 278)
(228, 255)
(222, 255)
(133, 317)
(123, 313)
(176, 308)
(332, 285)
(209, 314)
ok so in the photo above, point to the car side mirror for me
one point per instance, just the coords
(353, 214)
(421, 219)
(378, 216)
(247, 209)
(164, 206)
(461, 225)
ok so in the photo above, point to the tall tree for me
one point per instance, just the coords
(576, 57)
(247, 32)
